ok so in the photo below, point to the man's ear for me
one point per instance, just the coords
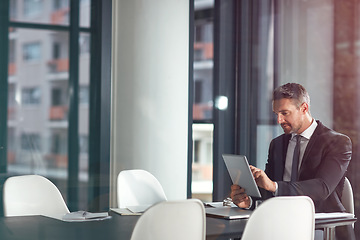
(304, 108)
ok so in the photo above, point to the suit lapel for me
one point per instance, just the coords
(310, 145)
(280, 169)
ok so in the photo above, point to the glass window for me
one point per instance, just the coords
(303, 38)
(314, 43)
(85, 13)
(31, 96)
(32, 7)
(32, 51)
(41, 78)
(56, 97)
(84, 99)
(84, 144)
(12, 52)
(203, 101)
(84, 43)
(58, 145)
(13, 8)
(30, 142)
(202, 167)
(84, 95)
(54, 12)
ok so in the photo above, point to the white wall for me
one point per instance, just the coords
(150, 91)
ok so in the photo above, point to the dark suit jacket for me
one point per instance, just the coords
(322, 170)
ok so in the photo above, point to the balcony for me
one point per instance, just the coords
(11, 157)
(12, 69)
(202, 111)
(60, 16)
(58, 65)
(11, 113)
(57, 160)
(58, 113)
(203, 51)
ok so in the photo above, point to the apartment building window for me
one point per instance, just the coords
(56, 97)
(84, 44)
(84, 95)
(198, 89)
(59, 4)
(84, 143)
(12, 52)
(31, 96)
(56, 50)
(59, 36)
(13, 9)
(58, 143)
(30, 141)
(32, 51)
(33, 7)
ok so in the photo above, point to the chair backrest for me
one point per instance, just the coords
(138, 187)
(347, 197)
(176, 220)
(32, 195)
(282, 218)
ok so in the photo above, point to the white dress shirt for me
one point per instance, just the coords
(304, 140)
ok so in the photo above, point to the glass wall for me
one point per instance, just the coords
(40, 87)
(314, 43)
(318, 46)
(202, 167)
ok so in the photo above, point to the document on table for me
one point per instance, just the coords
(218, 204)
(124, 211)
(83, 216)
(138, 208)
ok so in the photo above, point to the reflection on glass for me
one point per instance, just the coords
(84, 83)
(85, 13)
(40, 11)
(203, 101)
(38, 103)
(202, 167)
(203, 60)
(38, 95)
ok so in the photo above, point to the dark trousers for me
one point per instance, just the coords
(345, 233)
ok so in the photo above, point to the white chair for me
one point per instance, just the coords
(138, 188)
(282, 218)
(176, 220)
(32, 195)
(347, 197)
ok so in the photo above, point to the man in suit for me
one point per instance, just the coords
(322, 157)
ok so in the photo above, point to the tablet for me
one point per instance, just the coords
(240, 173)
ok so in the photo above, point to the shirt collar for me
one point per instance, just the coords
(309, 131)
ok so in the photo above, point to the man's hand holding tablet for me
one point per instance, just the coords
(239, 197)
(262, 180)
(244, 184)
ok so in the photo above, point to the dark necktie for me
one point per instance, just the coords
(295, 163)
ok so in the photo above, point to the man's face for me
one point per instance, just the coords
(289, 116)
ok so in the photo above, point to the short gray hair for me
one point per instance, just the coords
(293, 91)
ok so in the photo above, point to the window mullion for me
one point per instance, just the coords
(73, 130)
(4, 42)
